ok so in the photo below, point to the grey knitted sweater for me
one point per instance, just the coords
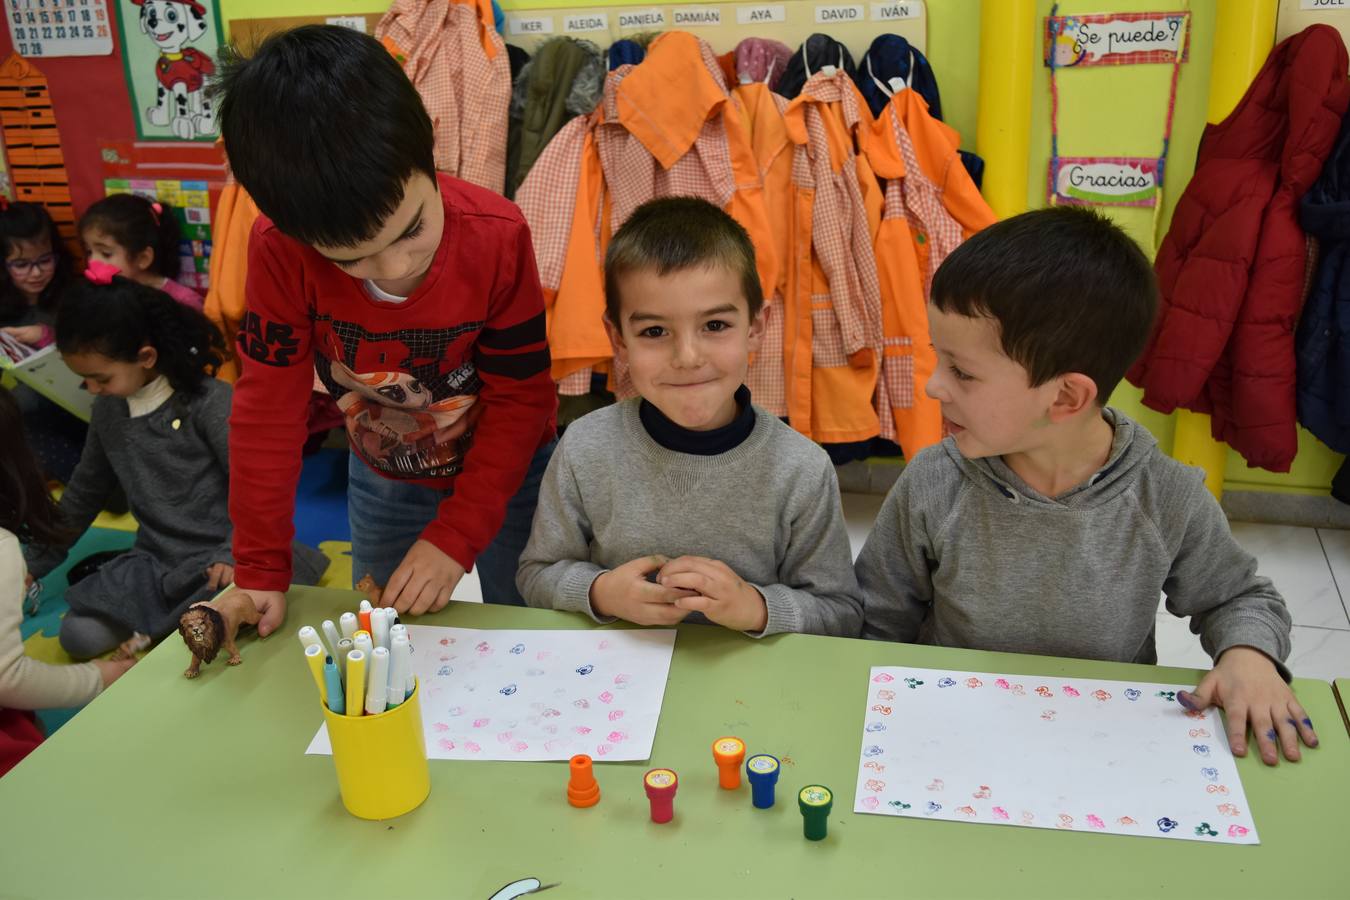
(768, 508)
(173, 464)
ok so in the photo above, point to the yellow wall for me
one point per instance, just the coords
(1131, 123)
(1105, 110)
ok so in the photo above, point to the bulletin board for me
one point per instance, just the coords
(249, 33)
(188, 176)
(722, 25)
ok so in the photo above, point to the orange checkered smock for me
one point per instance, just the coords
(931, 207)
(645, 141)
(458, 63)
(832, 313)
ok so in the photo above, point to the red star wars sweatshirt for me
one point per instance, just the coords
(448, 389)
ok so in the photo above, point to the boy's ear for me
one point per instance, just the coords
(147, 356)
(757, 326)
(1076, 393)
(616, 339)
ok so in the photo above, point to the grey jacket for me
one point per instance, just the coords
(966, 554)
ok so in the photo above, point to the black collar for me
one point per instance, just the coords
(700, 443)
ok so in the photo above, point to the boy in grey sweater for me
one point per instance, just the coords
(1046, 523)
(689, 503)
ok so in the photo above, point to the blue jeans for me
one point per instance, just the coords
(388, 516)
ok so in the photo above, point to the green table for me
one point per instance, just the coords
(1341, 688)
(170, 788)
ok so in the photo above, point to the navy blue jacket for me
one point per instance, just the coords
(1322, 342)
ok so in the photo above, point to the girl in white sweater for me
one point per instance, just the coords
(28, 514)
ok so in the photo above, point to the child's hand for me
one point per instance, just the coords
(625, 593)
(1245, 683)
(271, 607)
(25, 334)
(111, 669)
(717, 592)
(423, 582)
(219, 575)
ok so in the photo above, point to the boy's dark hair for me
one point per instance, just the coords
(29, 222)
(1070, 291)
(323, 129)
(678, 233)
(134, 224)
(26, 506)
(118, 319)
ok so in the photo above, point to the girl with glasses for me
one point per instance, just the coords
(37, 270)
(37, 267)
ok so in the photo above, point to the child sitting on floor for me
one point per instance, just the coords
(37, 269)
(28, 514)
(689, 501)
(1047, 522)
(140, 237)
(159, 429)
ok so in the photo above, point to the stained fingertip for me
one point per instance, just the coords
(1308, 722)
(1187, 699)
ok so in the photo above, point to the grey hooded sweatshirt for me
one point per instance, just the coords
(965, 554)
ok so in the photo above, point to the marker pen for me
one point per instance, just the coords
(356, 683)
(314, 656)
(308, 636)
(400, 660)
(379, 628)
(377, 690)
(348, 624)
(344, 647)
(336, 702)
(331, 636)
(410, 679)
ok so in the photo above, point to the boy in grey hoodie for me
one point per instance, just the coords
(1046, 523)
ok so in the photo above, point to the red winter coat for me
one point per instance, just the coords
(1232, 267)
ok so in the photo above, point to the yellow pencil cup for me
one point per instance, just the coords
(381, 760)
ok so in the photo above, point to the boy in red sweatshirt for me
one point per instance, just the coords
(413, 295)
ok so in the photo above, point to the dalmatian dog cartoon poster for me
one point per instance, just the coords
(170, 48)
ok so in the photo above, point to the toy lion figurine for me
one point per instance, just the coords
(211, 624)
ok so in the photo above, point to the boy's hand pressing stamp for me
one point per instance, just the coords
(717, 592)
(627, 593)
(1249, 688)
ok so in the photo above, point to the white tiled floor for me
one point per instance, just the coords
(1310, 567)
